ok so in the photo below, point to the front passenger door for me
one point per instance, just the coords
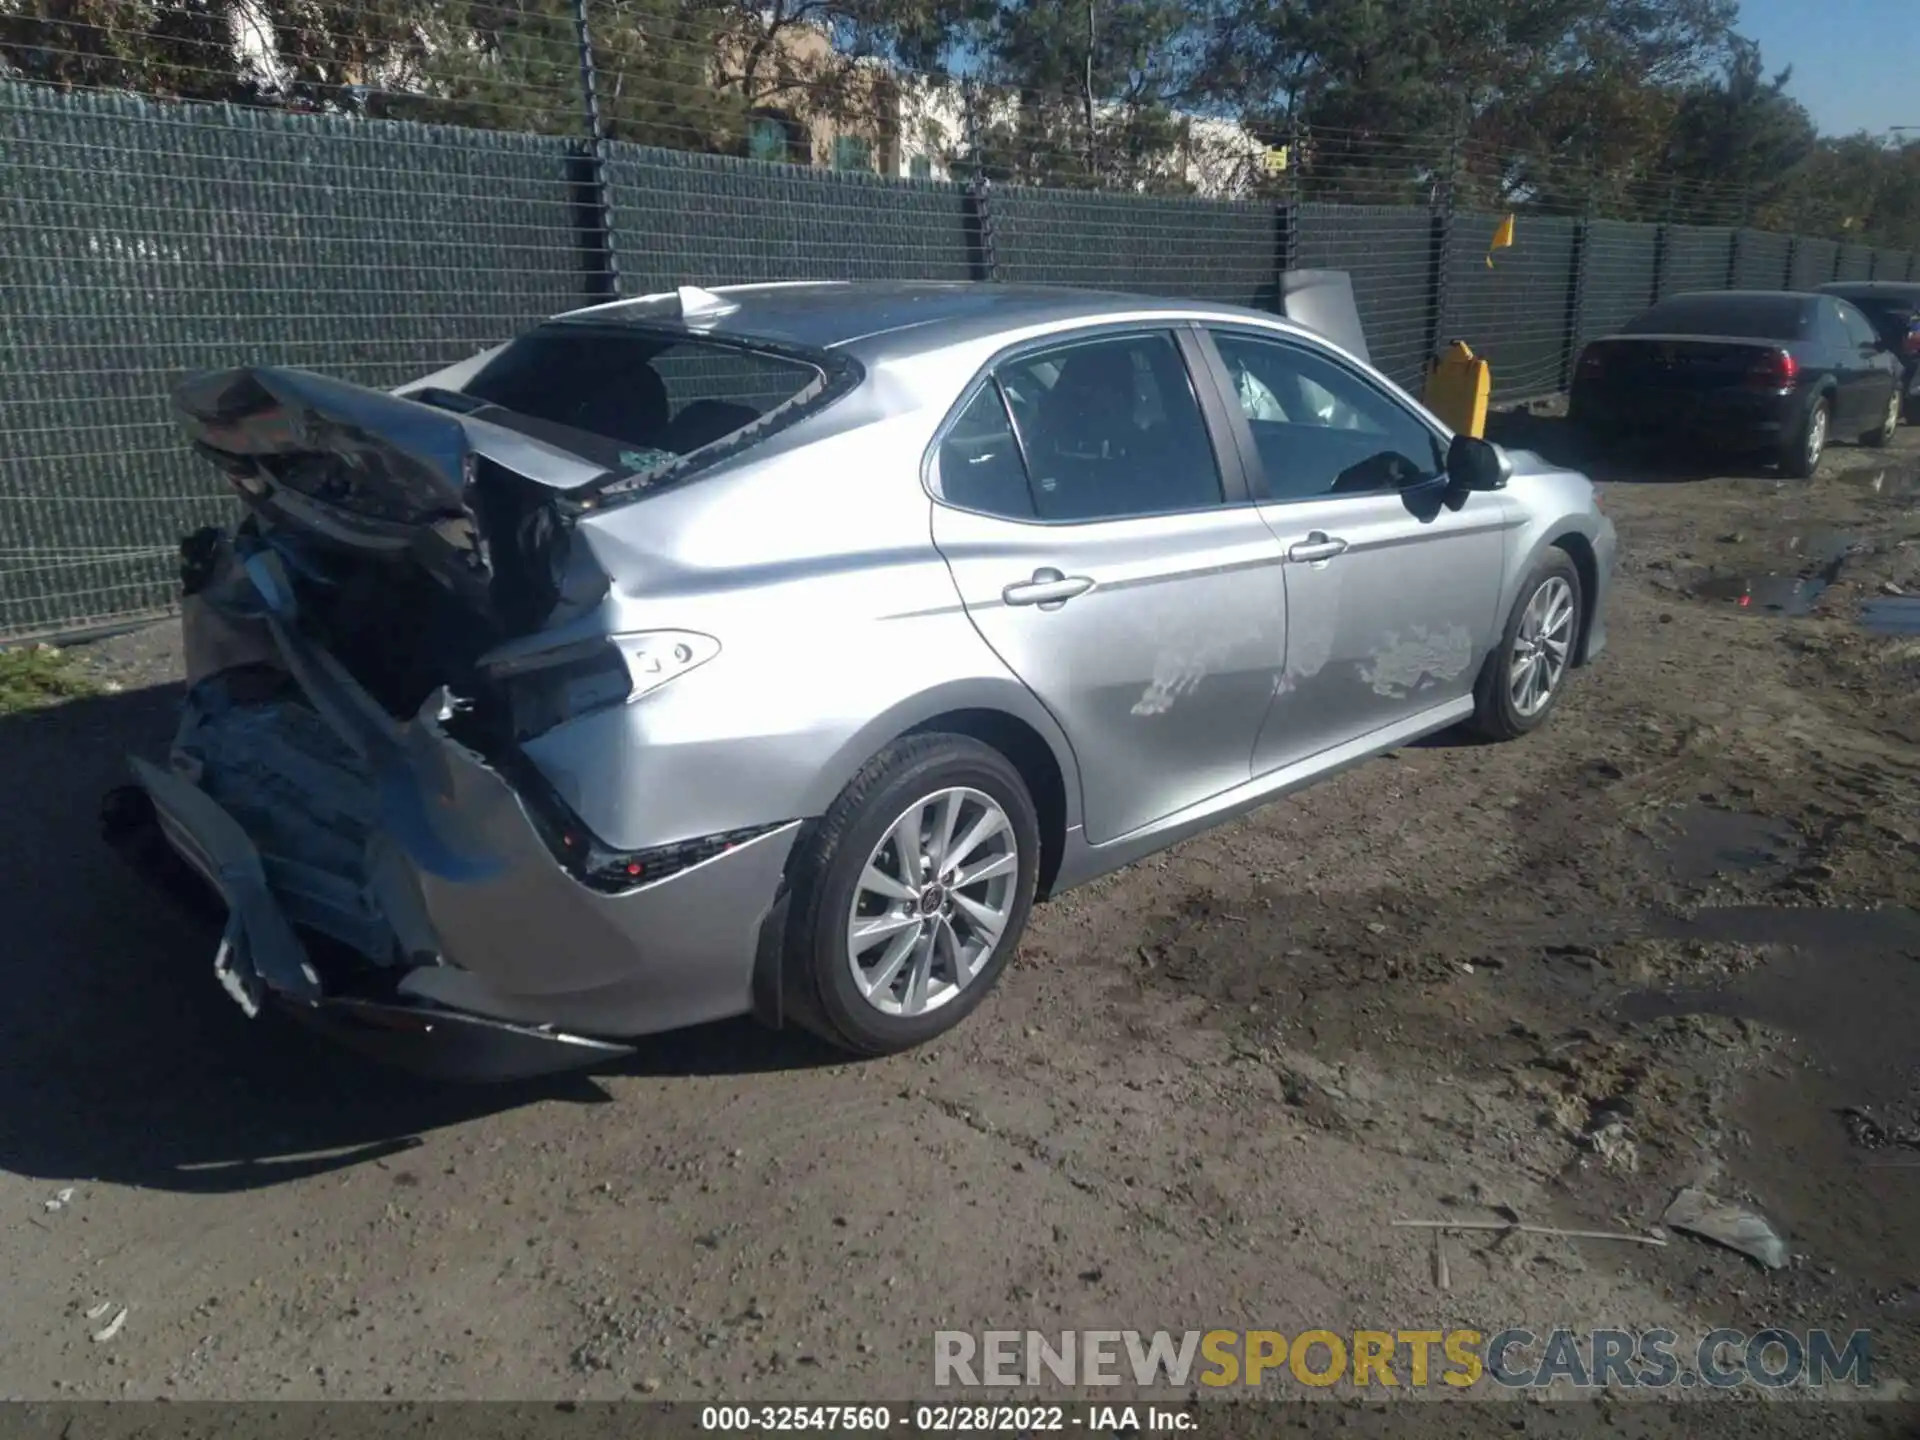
(1117, 567)
(1393, 581)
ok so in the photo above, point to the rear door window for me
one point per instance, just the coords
(1110, 428)
(1860, 334)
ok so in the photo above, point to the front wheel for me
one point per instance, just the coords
(1801, 455)
(913, 893)
(1520, 683)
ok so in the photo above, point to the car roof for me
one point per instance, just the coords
(1747, 296)
(898, 317)
(1904, 288)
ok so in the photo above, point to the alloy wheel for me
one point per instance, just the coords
(932, 902)
(1542, 646)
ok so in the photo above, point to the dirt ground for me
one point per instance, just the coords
(1673, 939)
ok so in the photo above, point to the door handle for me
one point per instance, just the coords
(1048, 589)
(1317, 546)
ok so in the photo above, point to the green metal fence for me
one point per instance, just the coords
(142, 241)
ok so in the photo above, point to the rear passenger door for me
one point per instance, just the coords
(1392, 581)
(1112, 559)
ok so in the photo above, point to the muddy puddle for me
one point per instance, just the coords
(1820, 555)
(1822, 1140)
(1764, 594)
(1701, 841)
(1892, 615)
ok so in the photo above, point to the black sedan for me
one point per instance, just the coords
(1892, 307)
(1757, 371)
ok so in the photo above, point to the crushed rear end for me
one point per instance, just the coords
(406, 598)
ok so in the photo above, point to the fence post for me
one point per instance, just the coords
(1793, 259)
(598, 207)
(982, 254)
(1663, 246)
(1288, 212)
(1441, 225)
(1576, 299)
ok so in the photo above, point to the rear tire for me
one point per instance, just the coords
(861, 905)
(1521, 683)
(1800, 457)
(1889, 426)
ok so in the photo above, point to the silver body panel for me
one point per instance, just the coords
(1395, 624)
(1201, 672)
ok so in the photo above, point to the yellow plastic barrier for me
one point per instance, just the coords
(1458, 386)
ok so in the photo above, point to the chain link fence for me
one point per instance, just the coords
(142, 239)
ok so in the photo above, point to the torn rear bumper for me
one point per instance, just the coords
(387, 885)
(177, 838)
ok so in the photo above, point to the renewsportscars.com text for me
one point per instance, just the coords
(1387, 1360)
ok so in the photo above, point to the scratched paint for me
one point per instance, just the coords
(1419, 659)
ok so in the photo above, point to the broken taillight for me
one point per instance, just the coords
(544, 689)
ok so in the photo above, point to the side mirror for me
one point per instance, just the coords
(1475, 464)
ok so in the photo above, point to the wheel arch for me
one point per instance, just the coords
(1029, 753)
(999, 712)
(1586, 565)
(1004, 716)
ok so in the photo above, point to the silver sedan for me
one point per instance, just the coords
(772, 650)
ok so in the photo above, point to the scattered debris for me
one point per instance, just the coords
(112, 1327)
(1870, 1132)
(1698, 1213)
(1441, 1277)
(1513, 1227)
(1612, 1140)
(97, 1311)
(60, 1198)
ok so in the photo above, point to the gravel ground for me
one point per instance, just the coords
(1666, 941)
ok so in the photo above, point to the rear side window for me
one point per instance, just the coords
(980, 464)
(629, 398)
(1748, 317)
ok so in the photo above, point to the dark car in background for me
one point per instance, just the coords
(1765, 372)
(1892, 307)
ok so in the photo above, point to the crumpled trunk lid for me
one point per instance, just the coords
(477, 504)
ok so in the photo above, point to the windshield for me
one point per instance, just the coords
(626, 397)
(1750, 317)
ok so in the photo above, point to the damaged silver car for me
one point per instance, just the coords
(771, 650)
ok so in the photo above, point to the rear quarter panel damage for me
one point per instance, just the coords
(839, 626)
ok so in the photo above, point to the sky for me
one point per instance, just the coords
(1856, 63)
